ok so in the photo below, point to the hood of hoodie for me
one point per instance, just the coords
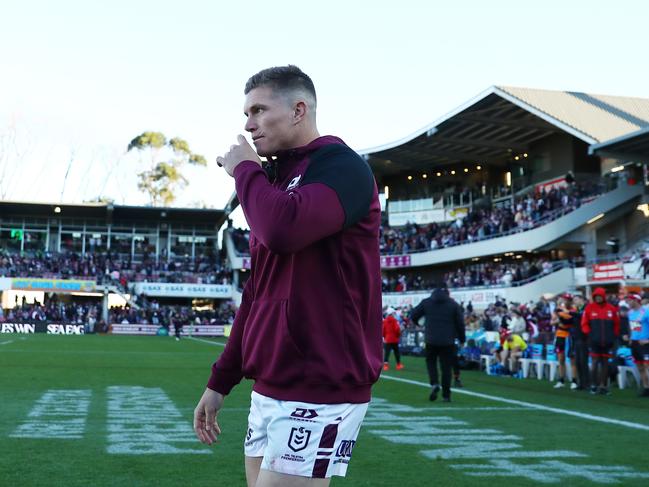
(440, 295)
(600, 291)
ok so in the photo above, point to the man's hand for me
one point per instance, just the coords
(205, 425)
(238, 152)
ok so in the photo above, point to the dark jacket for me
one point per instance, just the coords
(444, 320)
(600, 322)
(309, 325)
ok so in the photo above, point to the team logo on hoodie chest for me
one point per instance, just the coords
(294, 182)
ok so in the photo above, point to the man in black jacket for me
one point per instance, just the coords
(444, 322)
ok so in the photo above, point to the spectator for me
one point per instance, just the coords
(444, 323)
(391, 335)
(513, 349)
(600, 322)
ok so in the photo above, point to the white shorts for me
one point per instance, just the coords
(305, 439)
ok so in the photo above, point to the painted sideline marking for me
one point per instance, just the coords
(530, 405)
(144, 420)
(7, 342)
(397, 424)
(218, 344)
(59, 413)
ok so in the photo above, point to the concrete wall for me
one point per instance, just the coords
(554, 283)
(532, 239)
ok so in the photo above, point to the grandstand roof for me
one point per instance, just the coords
(504, 120)
(109, 211)
(630, 146)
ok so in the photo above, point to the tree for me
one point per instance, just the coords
(164, 177)
(15, 145)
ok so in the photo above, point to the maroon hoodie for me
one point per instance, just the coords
(309, 325)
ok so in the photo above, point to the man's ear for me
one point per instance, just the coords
(299, 111)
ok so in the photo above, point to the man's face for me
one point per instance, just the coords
(271, 121)
(598, 299)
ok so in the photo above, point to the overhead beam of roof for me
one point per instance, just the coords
(508, 122)
(492, 144)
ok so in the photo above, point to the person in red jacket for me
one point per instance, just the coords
(391, 336)
(600, 322)
(308, 330)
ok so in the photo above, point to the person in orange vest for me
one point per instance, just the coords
(391, 336)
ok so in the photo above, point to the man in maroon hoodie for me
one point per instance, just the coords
(600, 322)
(308, 331)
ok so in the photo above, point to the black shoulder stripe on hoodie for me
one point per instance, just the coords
(344, 171)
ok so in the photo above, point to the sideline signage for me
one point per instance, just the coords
(52, 285)
(479, 298)
(395, 261)
(184, 290)
(41, 327)
(147, 329)
(424, 217)
(611, 271)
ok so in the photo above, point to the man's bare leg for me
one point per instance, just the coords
(273, 479)
(252, 469)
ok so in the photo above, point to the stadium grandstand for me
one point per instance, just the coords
(513, 194)
(122, 269)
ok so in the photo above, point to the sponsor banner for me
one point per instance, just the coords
(399, 219)
(479, 298)
(52, 285)
(41, 327)
(184, 290)
(395, 261)
(5, 283)
(550, 185)
(187, 330)
(611, 271)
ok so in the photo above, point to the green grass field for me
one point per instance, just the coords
(76, 438)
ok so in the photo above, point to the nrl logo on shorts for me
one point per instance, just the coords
(299, 439)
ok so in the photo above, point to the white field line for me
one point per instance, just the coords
(530, 405)
(7, 342)
(218, 344)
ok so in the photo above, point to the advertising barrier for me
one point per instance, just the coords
(611, 271)
(52, 285)
(41, 327)
(395, 261)
(184, 290)
(147, 329)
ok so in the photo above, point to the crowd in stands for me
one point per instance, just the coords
(89, 314)
(163, 315)
(55, 311)
(479, 274)
(109, 268)
(526, 212)
(543, 324)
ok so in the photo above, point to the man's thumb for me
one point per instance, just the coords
(242, 139)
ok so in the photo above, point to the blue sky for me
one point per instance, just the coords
(80, 79)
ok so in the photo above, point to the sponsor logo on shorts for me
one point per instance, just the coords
(345, 448)
(299, 438)
(248, 434)
(302, 414)
(344, 451)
